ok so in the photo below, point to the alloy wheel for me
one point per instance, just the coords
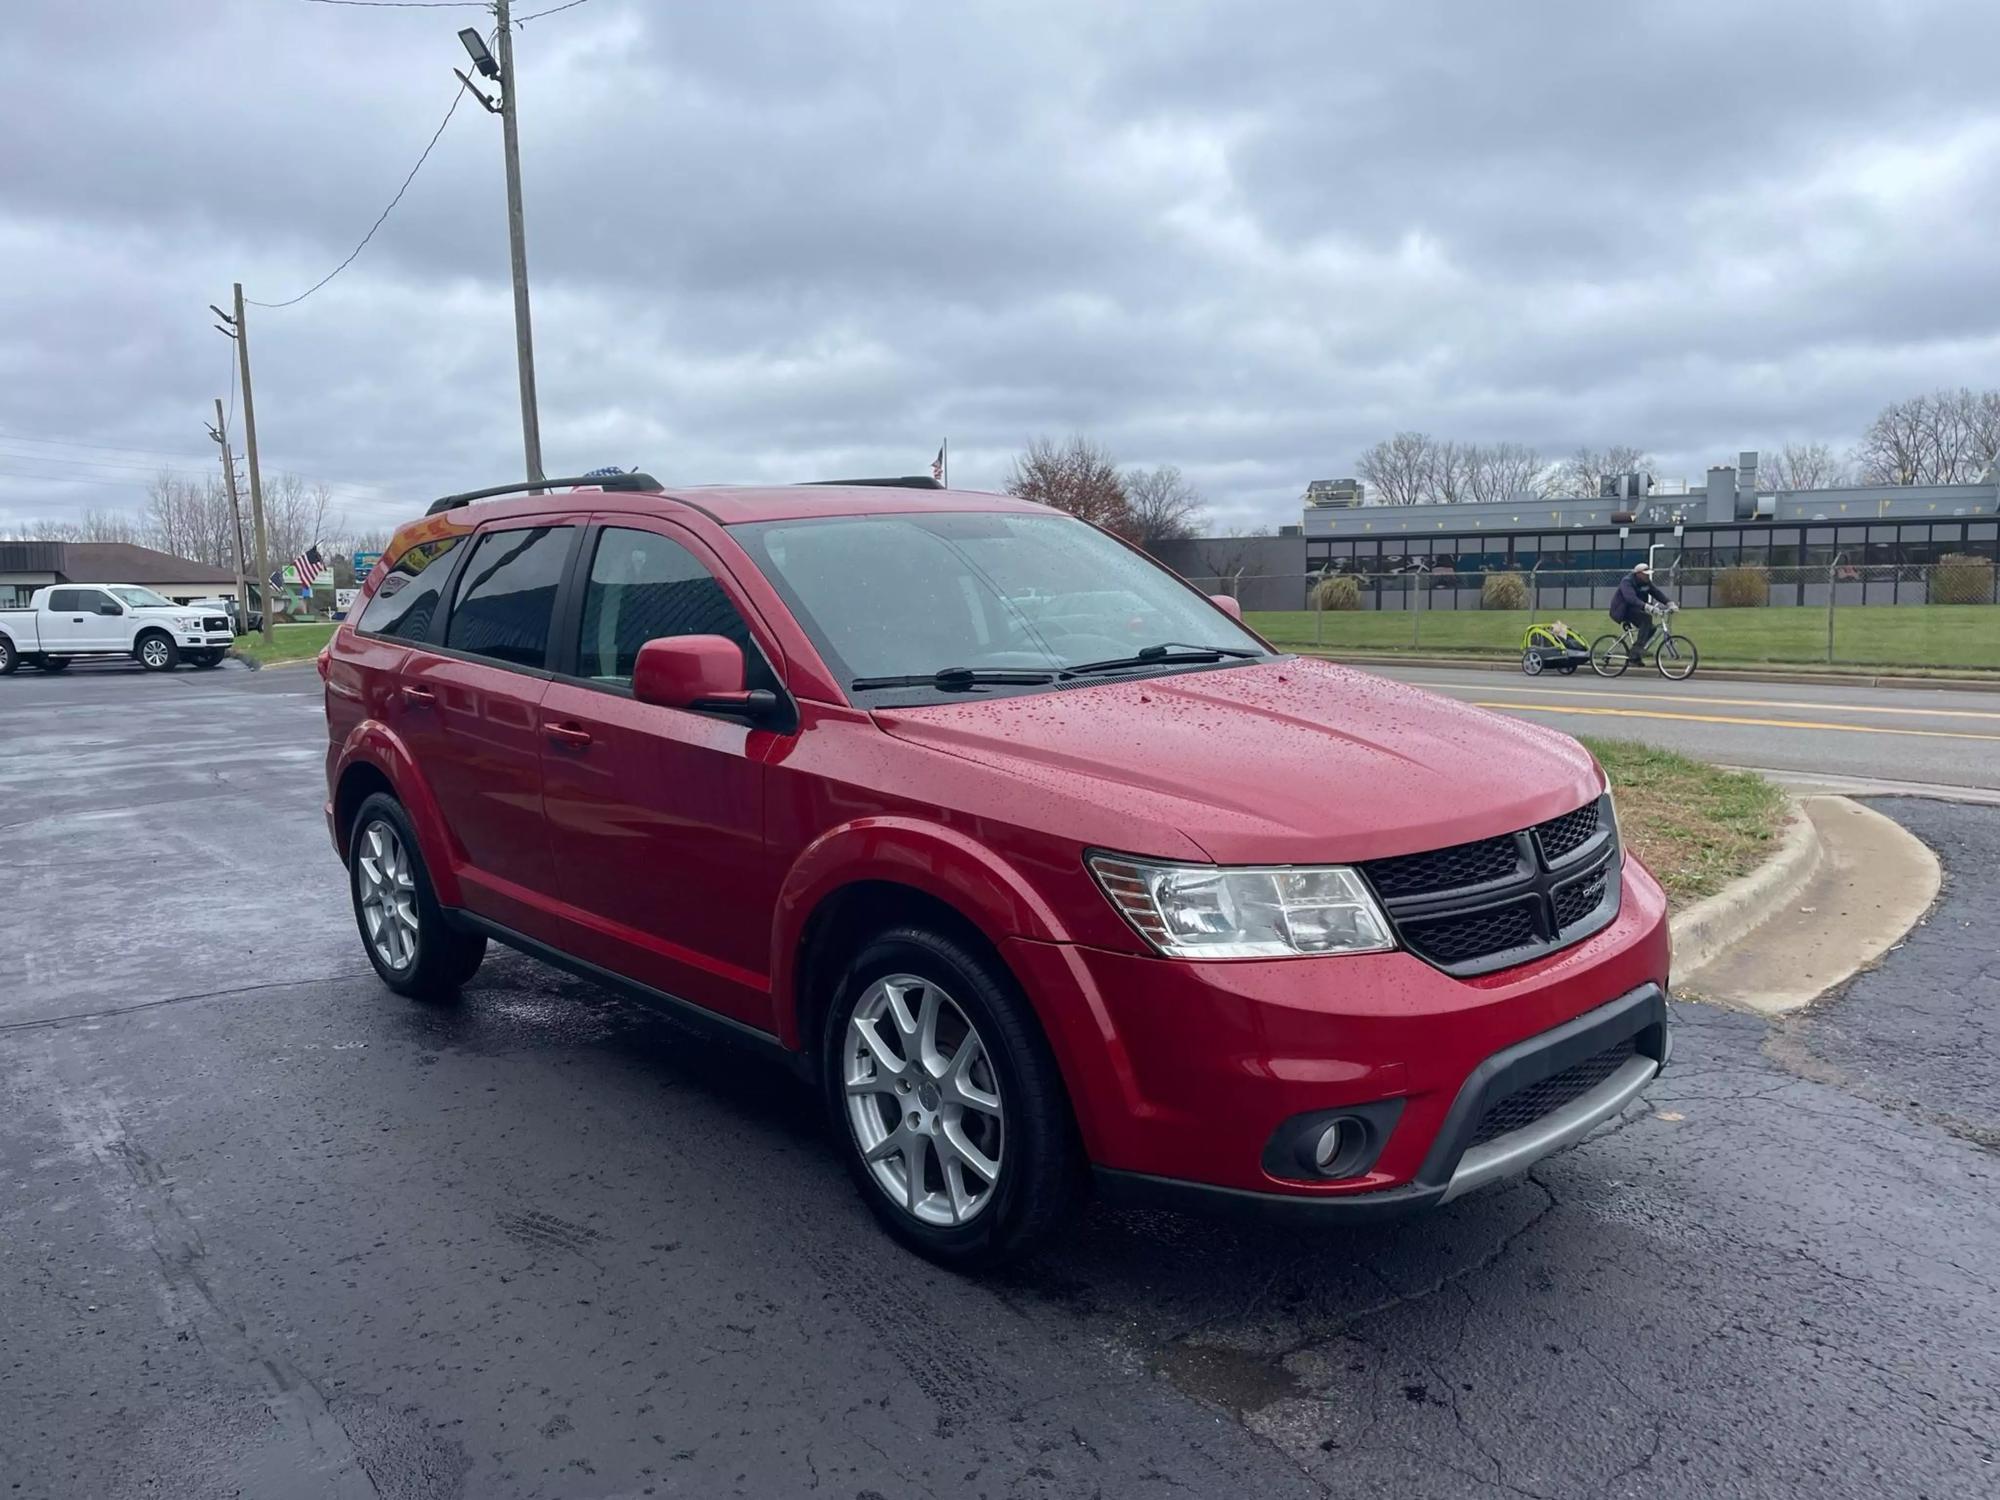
(388, 894)
(154, 653)
(923, 1101)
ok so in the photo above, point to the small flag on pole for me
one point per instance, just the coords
(938, 465)
(309, 565)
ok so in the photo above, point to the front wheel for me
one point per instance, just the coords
(157, 653)
(1677, 657)
(947, 1102)
(412, 946)
(1531, 662)
(10, 659)
(1607, 656)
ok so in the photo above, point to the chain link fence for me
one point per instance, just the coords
(1941, 614)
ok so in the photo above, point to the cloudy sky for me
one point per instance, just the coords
(776, 240)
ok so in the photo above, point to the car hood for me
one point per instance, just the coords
(1279, 762)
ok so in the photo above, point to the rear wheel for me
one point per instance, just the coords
(947, 1102)
(413, 947)
(10, 659)
(157, 653)
(1607, 656)
(1677, 657)
(54, 663)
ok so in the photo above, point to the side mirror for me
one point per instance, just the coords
(1227, 605)
(699, 672)
(109, 609)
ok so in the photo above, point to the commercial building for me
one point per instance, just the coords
(1869, 544)
(27, 566)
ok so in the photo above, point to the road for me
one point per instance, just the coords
(267, 1230)
(1823, 732)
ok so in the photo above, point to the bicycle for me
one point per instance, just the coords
(1674, 655)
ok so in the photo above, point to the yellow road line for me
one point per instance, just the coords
(1825, 708)
(1650, 713)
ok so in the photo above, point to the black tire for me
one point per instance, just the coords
(10, 659)
(1677, 658)
(205, 658)
(156, 651)
(1607, 656)
(440, 958)
(1039, 1158)
(1568, 669)
(1531, 662)
(53, 663)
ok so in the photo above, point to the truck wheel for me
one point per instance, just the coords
(948, 1106)
(10, 659)
(206, 658)
(414, 949)
(54, 664)
(157, 652)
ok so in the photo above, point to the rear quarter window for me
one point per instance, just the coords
(406, 603)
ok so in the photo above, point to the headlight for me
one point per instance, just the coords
(1209, 911)
(1611, 810)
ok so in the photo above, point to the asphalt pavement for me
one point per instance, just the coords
(267, 1230)
(1823, 732)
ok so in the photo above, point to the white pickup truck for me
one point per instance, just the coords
(65, 621)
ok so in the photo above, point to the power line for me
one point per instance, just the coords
(537, 15)
(457, 94)
(408, 4)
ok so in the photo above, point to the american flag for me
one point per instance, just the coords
(310, 565)
(937, 464)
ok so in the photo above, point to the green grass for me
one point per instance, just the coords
(288, 643)
(1697, 827)
(1965, 636)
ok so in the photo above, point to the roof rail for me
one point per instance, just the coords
(907, 482)
(634, 481)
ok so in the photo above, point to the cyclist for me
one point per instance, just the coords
(1628, 606)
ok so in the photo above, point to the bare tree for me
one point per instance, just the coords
(1583, 473)
(1075, 476)
(1164, 506)
(1506, 471)
(1804, 466)
(299, 515)
(1947, 437)
(1399, 469)
(1451, 472)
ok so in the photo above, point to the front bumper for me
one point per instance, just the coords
(1190, 1073)
(1453, 1165)
(195, 640)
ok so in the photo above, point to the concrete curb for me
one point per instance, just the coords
(1729, 674)
(1711, 926)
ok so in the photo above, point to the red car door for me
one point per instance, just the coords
(472, 701)
(656, 814)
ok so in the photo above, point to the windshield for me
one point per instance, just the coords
(140, 598)
(893, 595)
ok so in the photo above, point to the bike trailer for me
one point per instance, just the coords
(1552, 648)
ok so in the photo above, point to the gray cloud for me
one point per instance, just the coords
(781, 240)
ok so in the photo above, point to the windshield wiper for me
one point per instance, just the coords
(1166, 654)
(958, 678)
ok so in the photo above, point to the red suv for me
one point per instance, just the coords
(1036, 861)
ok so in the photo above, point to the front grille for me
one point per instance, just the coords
(1452, 940)
(1560, 837)
(1445, 869)
(1475, 907)
(212, 623)
(1526, 1105)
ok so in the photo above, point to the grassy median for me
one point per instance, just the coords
(288, 643)
(1952, 636)
(1696, 826)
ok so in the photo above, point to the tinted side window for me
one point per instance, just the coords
(408, 598)
(644, 586)
(90, 600)
(65, 601)
(507, 595)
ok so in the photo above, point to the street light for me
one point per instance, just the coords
(475, 47)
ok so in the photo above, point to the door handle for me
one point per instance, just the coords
(419, 694)
(572, 735)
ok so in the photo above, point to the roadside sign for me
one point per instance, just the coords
(364, 563)
(343, 599)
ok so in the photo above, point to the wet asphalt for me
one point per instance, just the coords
(266, 1230)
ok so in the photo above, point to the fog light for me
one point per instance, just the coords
(1326, 1150)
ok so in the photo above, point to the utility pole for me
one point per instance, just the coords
(235, 514)
(256, 478)
(502, 71)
